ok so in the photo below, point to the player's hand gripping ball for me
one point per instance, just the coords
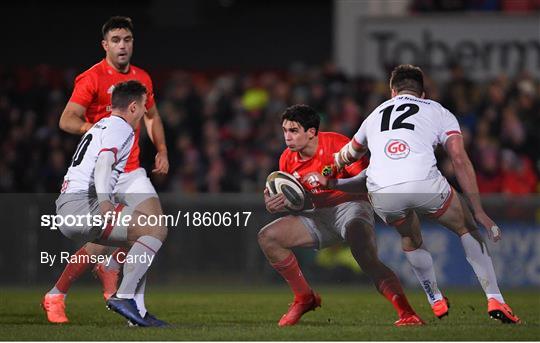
(279, 182)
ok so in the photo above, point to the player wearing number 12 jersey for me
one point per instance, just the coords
(336, 217)
(403, 182)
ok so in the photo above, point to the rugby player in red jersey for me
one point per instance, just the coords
(90, 102)
(336, 217)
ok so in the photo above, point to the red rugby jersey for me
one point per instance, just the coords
(329, 143)
(93, 90)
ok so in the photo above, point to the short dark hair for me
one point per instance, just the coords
(125, 93)
(306, 116)
(407, 77)
(117, 22)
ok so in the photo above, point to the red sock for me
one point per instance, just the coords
(289, 269)
(72, 272)
(391, 289)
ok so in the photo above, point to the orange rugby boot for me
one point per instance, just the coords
(440, 307)
(411, 319)
(108, 278)
(298, 308)
(55, 308)
(502, 312)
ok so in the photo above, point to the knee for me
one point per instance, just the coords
(161, 233)
(267, 237)
(156, 232)
(359, 227)
(95, 249)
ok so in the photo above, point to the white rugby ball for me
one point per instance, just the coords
(279, 182)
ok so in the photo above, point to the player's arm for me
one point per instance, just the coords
(467, 180)
(72, 119)
(275, 203)
(102, 177)
(350, 153)
(355, 184)
(154, 127)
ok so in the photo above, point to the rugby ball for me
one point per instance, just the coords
(279, 182)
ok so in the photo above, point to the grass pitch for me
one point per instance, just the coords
(252, 314)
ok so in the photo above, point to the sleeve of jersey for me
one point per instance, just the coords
(283, 162)
(84, 90)
(360, 136)
(449, 126)
(150, 101)
(356, 167)
(119, 143)
(102, 174)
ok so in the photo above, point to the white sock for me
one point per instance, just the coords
(139, 297)
(136, 265)
(422, 264)
(55, 290)
(479, 259)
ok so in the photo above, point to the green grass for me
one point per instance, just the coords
(252, 314)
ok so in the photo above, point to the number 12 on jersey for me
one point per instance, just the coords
(407, 109)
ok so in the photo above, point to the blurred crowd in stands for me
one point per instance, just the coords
(223, 129)
(508, 6)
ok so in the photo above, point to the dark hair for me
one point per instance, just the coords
(125, 93)
(407, 77)
(117, 22)
(306, 116)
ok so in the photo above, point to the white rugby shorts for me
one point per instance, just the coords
(75, 205)
(426, 197)
(328, 225)
(133, 188)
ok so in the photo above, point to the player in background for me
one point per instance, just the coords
(91, 101)
(337, 217)
(99, 160)
(403, 182)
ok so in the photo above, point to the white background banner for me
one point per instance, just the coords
(485, 45)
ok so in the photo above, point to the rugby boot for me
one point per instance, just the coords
(440, 307)
(299, 307)
(55, 308)
(152, 320)
(411, 319)
(502, 312)
(128, 309)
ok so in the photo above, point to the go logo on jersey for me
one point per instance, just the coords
(397, 149)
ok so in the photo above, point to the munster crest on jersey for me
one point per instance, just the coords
(327, 171)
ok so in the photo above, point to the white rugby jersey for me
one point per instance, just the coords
(401, 135)
(109, 134)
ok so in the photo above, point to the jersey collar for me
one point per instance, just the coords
(111, 71)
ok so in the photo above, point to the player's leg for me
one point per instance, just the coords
(134, 189)
(54, 300)
(421, 261)
(392, 207)
(276, 240)
(144, 242)
(458, 218)
(361, 238)
(108, 273)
